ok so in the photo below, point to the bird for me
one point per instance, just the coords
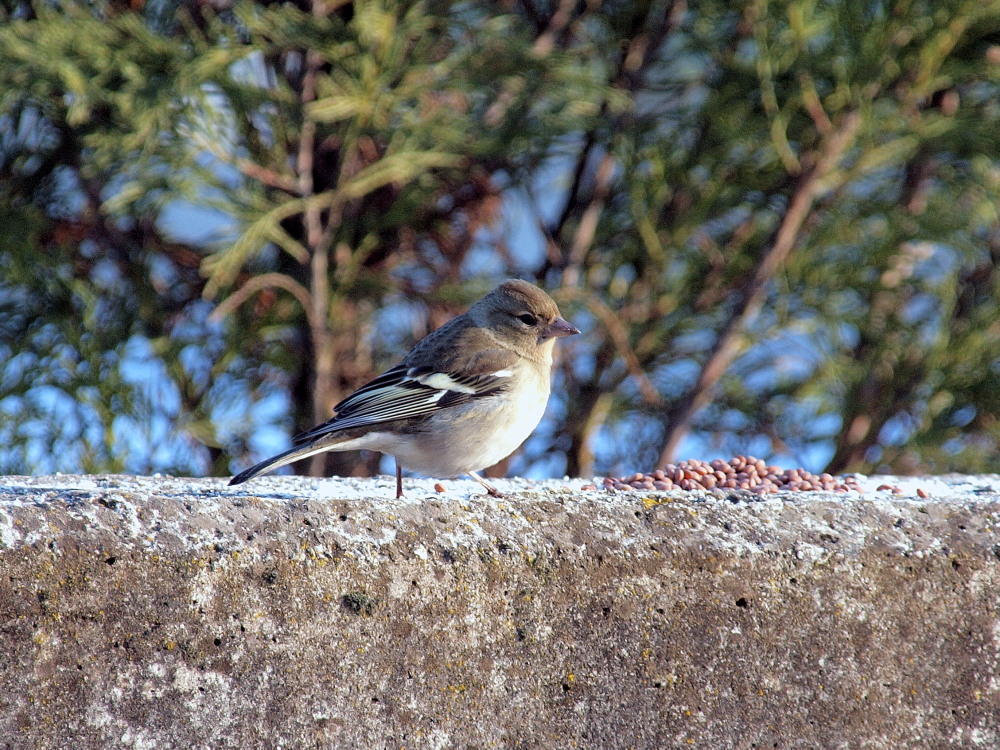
(464, 398)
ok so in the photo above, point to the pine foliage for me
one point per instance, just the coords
(776, 223)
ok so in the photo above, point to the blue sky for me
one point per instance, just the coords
(154, 442)
(520, 232)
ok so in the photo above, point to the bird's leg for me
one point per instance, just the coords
(493, 491)
(399, 480)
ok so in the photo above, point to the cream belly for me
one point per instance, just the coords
(513, 424)
(465, 438)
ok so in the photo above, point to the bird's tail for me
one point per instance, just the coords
(293, 454)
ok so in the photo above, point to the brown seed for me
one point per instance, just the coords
(438, 487)
(745, 472)
(921, 492)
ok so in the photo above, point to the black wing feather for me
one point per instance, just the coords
(403, 393)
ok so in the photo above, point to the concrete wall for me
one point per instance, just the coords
(167, 613)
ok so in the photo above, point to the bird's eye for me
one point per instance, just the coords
(528, 319)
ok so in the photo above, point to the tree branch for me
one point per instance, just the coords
(751, 296)
(258, 283)
(619, 336)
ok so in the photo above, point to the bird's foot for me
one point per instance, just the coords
(490, 489)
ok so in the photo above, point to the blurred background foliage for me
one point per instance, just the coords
(777, 223)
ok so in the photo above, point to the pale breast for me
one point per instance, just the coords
(515, 421)
(473, 436)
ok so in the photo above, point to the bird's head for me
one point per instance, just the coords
(522, 314)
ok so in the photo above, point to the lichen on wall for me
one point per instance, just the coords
(168, 613)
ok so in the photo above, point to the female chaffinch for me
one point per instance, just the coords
(464, 398)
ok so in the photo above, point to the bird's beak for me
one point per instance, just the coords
(559, 327)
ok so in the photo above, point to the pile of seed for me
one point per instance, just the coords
(739, 473)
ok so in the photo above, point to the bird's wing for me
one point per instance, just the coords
(405, 392)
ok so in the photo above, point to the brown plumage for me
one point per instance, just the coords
(464, 398)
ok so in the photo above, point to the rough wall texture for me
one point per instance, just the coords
(166, 613)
